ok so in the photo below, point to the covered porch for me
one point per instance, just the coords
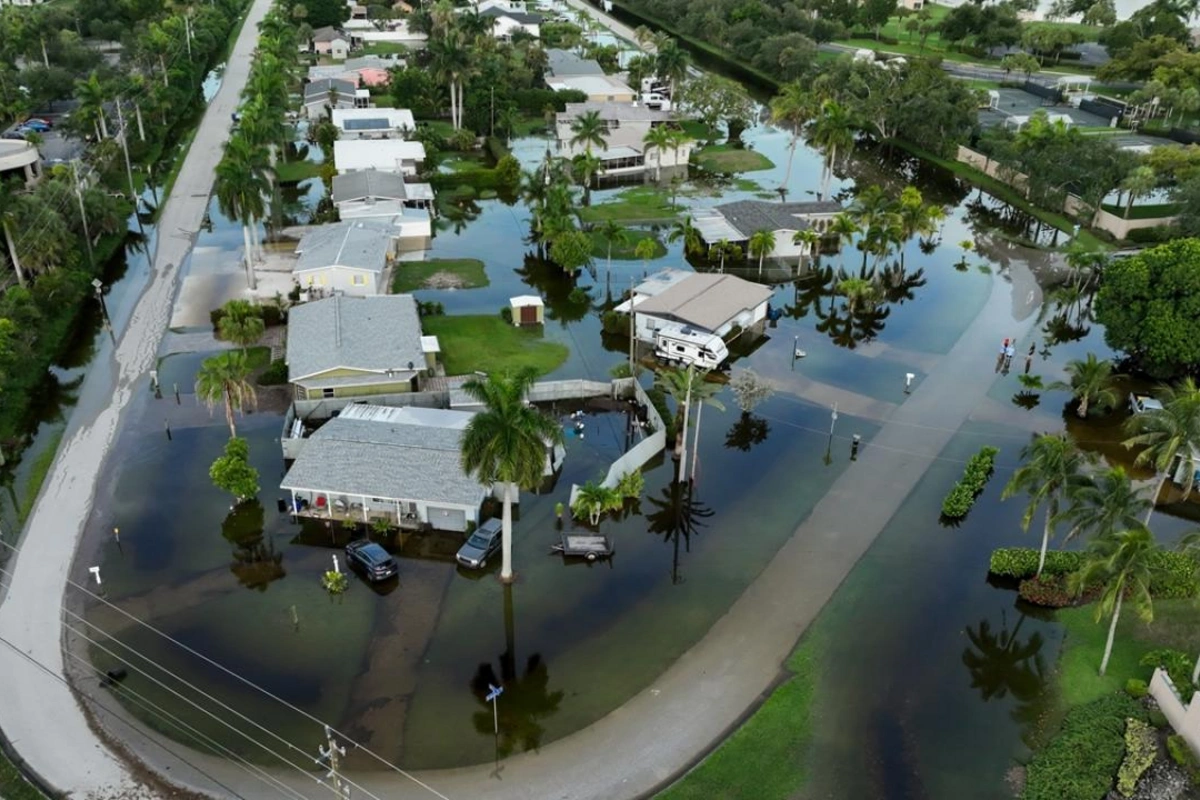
(354, 508)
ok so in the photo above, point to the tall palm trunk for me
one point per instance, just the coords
(696, 441)
(229, 414)
(1112, 632)
(461, 93)
(1083, 406)
(506, 570)
(137, 112)
(761, 256)
(681, 439)
(249, 253)
(12, 253)
(1196, 671)
(1051, 512)
(787, 175)
(1157, 493)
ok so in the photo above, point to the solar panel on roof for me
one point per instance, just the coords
(366, 124)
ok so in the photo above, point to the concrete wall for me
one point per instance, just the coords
(340, 279)
(637, 456)
(1185, 720)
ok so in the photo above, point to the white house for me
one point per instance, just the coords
(328, 94)
(507, 21)
(384, 197)
(737, 222)
(349, 257)
(705, 302)
(373, 123)
(624, 151)
(385, 155)
(329, 41)
(598, 88)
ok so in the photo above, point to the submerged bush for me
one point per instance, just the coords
(1176, 573)
(975, 476)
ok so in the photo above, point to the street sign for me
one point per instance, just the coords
(494, 692)
(493, 697)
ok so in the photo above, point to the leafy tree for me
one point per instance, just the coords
(715, 101)
(874, 14)
(224, 379)
(1169, 433)
(1104, 504)
(241, 323)
(506, 443)
(571, 250)
(1123, 564)
(1149, 305)
(1091, 383)
(232, 471)
(1020, 62)
(1051, 471)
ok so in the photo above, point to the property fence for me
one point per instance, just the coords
(1102, 107)
(1050, 93)
(1184, 719)
(637, 456)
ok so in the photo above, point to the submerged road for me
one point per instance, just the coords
(39, 715)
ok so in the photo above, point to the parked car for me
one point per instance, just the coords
(481, 545)
(1139, 403)
(371, 561)
(39, 125)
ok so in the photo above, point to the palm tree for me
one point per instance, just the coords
(808, 239)
(612, 233)
(916, 217)
(684, 386)
(794, 107)
(92, 95)
(242, 323)
(506, 443)
(1122, 564)
(645, 249)
(857, 291)
(223, 379)
(241, 183)
(1051, 471)
(586, 166)
(1167, 434)
(689, 234)
(761, 243)
(658, 137)
(1091, 383)
(727, 249)
(832, 133)
(588, 129)
(1140, 181)
(450, 61)
(1190, 545)
(671, 64)
(1103, 504)
(844, 228)
(594, 499)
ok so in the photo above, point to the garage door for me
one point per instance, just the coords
(448, 519)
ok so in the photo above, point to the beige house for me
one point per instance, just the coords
(357, 347)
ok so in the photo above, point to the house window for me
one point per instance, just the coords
(321, 280)
(327, 392)
(359, 279)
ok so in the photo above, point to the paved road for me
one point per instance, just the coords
(38, 715)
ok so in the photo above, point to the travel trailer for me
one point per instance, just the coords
(681, 344)
(656, 100)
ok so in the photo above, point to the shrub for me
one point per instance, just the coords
(1021, 562)
(335, 582)
(506, 314)
(274, 315)
(1156, 235)
(430, 308)
(1177, 665)
(508, 172)
(975, 476)
(1157, 718)
(631, 484)
(274, 375)
(1182, 755)
(1140, 749)
(495, 148)
(1136, 688)
(1049, 591)
(1080, 762)
(614, 323)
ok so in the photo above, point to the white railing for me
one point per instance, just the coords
(1184, 719)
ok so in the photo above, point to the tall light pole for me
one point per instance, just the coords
(98, 286)
(331, 756)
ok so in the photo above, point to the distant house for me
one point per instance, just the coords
(351, 257)
(564, 64)
(385, 197)
(384, 155)
(624, 151)
(704, 302)
(369, 71)
(737, 222)
(398, 464)
(320, 97)
(332, 42)
(357, 347)
(598, 88)
(506, 22)
(373, 123)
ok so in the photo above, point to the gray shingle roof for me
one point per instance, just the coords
(357, 244)
(749, 216)
(314, 89)
(705, 300)
(328, 34)
(516, 16)
(376, 458)
(613, 110)
(368, 184)
(561, 63)
(374, 334)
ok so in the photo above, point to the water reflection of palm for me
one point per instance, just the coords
(678, 516)
(256, 563)
(1001, 664)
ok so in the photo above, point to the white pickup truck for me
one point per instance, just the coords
(1140, 403)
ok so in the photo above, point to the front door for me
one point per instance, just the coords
(529, 315)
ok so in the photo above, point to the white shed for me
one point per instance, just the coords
(527, 309)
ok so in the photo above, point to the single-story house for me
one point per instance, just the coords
(705, 302)
(351, 257)
(332, 93)
(385, 197)
(598, 88)
(737, 222)
(385, 155)
(373, 123)
(362, 71)
(399, 464)
(506, 22)
(357, 347)
(626, 126)
(564, 64)
(332, 42)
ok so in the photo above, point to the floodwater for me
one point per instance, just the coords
(931, 675)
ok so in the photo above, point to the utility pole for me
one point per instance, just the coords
(87, 236)
(632, 330)
(125, 150)
(687, 405)
(696, 441)
(187, 27)
(331, 756)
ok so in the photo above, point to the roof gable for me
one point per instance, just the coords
(371, 334)
(706, 300)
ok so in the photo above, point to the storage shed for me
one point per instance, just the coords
(527, 309)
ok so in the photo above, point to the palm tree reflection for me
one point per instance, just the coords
(678, 516)
(256, 563)
(748, 431)
(1001, 664)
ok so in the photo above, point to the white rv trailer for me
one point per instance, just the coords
(681, 344)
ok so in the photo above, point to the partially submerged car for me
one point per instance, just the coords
(481, 545)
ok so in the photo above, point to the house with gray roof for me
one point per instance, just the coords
(704, 302)
(385, 197)
(332, 42)
(397, 464)
(626, 125)
(356, 347)
(563, 64)
(351, 257)
(737, 222)
(507, 21)
(321, 96)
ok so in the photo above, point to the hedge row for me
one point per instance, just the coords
(1081, 761)
(1177, 578)
(975, 476)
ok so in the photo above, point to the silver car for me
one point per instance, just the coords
(481, 545)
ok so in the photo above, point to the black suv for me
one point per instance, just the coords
(371, 560)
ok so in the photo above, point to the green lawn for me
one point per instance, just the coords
(765, 756)
(383, 100)
(13, 785)
(258, 357)
(383, 49)
(623, 250)
(639, 204)
(1147, 211)
(700, 131)
(440, 126)
(409, 276)
(296, 171)
(727, 158)
(489, 344)
(37, 476)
